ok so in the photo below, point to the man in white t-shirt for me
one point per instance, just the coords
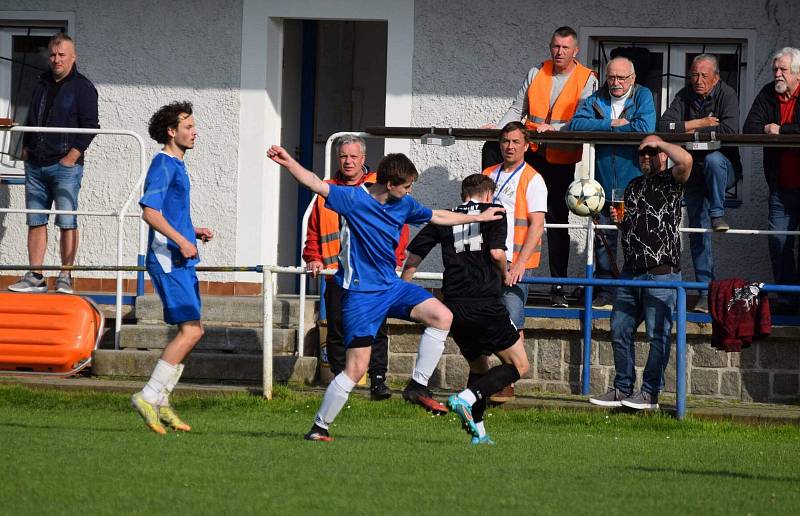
(523, 193)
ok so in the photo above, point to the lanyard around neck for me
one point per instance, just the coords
(497, 178)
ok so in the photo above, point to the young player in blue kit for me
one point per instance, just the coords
(372, 218)
(171, 258)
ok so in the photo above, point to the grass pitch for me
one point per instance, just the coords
(90, 453)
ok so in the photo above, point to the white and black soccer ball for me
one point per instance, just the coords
(585, 197)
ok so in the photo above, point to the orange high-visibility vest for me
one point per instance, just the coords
(521, 214)
(539, 111)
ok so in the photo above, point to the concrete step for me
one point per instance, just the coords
(246, 368)
(225, 339)
(235, 310)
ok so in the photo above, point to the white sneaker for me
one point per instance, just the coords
(64, 285)
(29, 283)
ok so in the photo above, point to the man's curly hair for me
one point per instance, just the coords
(167, 117)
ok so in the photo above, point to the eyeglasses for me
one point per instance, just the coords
(618, 78)
(648, 151)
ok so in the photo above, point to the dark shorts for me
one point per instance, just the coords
(481, 328)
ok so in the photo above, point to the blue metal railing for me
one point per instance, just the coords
(680, 342)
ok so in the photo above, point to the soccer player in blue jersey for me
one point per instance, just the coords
(372, 218)
(171, 258)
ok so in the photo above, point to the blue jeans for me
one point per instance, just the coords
(705, 199)
(654, 306)
(603, 257)
(784, 215)
(52, 183)
(514, 299)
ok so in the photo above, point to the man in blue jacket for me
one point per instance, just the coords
(54, 161)
(619, 106)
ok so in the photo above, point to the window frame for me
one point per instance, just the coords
(676, 43)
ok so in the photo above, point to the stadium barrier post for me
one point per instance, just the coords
(680, 353)
(588, 291)
(266, 333)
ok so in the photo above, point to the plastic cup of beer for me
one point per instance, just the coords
(618, 201)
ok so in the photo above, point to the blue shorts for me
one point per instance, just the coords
(52, 183)
(179, 292)
(364, 312)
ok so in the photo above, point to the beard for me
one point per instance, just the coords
(781, 87)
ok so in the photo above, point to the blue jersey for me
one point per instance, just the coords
(369, 234)
(166, 189)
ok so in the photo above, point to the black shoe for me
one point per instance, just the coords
(557, 298)
(719, 224)
(378, 390)
(317, 433)
(603, 301)
(420, 395)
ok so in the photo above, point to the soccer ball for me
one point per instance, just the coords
(585, 197)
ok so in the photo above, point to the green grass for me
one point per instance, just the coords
(89, 453)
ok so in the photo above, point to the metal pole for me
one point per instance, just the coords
(587, 294)
(266, 337)
(680, 353)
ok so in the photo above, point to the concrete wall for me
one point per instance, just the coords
(141, 55)
(466, 74)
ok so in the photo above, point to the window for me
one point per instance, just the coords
(23, 57)
(662, 59)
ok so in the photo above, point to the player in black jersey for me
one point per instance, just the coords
(474, 270)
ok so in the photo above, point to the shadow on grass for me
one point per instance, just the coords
(715, 473)
(344, 437)
(7, 424)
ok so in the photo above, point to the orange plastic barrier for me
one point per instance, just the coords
(47, 333)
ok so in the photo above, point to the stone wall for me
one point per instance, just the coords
(768, 371)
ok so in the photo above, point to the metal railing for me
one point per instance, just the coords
(119, 214)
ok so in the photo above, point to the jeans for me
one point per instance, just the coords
(784, 215)
(704, 197)
(602, 257)
(654, 306)
(514, 299)
(46, 184)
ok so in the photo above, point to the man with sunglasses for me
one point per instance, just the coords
(619, 106)
(651, 246)
(706, 104)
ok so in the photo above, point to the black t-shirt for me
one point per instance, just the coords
(649, 228)
(469, 272)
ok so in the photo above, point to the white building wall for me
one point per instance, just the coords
(141, 55)
(471, 57)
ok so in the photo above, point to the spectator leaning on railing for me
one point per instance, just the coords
(54, 162)
(706, 104)
(775, 110)
(619, 105)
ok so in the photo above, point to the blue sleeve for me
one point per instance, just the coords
(644, 116)
(585, 120)
(417, 213)
(341, 199)
(158, 179)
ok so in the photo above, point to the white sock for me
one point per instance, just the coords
(162, 374)
(164, 399)
(481, 429)
(335, 397)
(468, 396)
(431, 347)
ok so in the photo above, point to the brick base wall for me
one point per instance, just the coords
(768, 371)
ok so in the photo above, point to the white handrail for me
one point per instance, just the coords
(120, 214)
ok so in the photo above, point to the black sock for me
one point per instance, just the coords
(37, 276)
(479, 407)
(414, 385)
(497, 378)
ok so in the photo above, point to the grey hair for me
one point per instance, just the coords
(711, 58)
(346, 139)
(620, 58)
(794, 56)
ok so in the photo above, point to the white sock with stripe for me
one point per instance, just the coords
(431, 347)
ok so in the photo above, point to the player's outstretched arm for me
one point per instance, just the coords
(410, 267)
(305, 177)
(451, 218)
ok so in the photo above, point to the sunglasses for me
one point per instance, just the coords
(648, 151)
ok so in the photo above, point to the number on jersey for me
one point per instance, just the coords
(467, 237)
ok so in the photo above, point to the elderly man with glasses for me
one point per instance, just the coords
(619, 106)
